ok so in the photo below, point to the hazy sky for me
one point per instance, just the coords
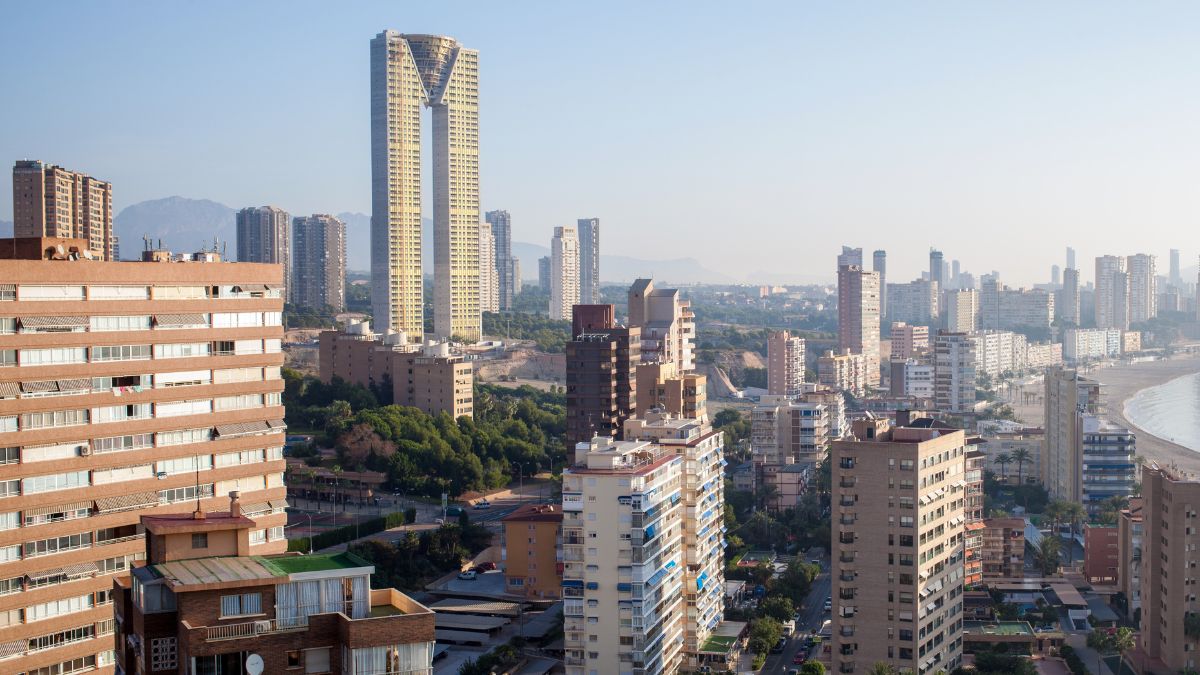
(757, 137)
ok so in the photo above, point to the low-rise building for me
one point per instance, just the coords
(1101, 551)
(532, 556)
(204, 604)
(911, 377)
(1043, 355)
(788, 482)
(908, 340)
(427, 377)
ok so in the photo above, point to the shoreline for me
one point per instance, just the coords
(1123, 382)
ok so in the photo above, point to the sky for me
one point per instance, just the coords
(756, 137)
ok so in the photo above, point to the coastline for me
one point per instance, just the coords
(1123, 382)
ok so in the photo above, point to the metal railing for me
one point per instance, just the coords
(251, 629)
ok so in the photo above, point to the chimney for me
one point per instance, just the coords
(235, 505)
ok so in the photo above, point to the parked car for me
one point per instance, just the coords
(485, 567)
(800, 657)
(483, 504)
(778, 648)
(469, 575)
(828, 604)
(438, 521)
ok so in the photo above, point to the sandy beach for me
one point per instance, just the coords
(1120, 383)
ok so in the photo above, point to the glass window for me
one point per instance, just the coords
(184, 436)
(181, 350)
(55, 418)
(119, 293)
(180, 293)
(121, 353)
(115, 323)
(54, 355)
(37, 293)
(178, 408)
(58, 481)
(242, 604)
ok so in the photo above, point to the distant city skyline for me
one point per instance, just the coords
(1001, 157)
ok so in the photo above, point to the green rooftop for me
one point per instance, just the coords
(1004, 628)
(295, 564)
(718, 644)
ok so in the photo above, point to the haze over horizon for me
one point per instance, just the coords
(751, 141)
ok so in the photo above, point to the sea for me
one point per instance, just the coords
(1170, 411)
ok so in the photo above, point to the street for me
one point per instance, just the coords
(812, 615)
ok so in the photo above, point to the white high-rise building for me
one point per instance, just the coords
(962, 310)
(667, 322)
(954, 372)
(785, 364)
(489, 281)
(589, 260)
(1143, 287)
(858, 317)
(407, 73)
(564, 273)
(1112, 293)
(915, 302)
(643, 575)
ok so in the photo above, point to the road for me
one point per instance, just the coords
(812, 615)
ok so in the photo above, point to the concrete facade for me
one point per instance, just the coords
(564, 273)
(318, 263)
(858, 318)
(1168, 561)
(264, 236)
(533, 564)
(50, 201)
(785, 364)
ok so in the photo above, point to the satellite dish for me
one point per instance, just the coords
(254, 664)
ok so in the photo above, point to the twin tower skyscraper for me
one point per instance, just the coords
(409, 72)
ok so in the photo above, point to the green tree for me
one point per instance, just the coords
(1047, 555)
(812, 668)
(1074, 514)
(881, 668)
(1003, 459)
(778, 607)
(764, 633)
(1021, 456)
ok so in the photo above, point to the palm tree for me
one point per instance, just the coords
(1098, 641)
(1020, 456)
(1073, 513)
(1047, 554)
(337, 483)
(1003, 459)
(881, 668)
(1122, 642)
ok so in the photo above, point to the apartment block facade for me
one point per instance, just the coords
(858, 318)
(264, 236)
(50, 201)
(845, 371)
(785, 364)
(667, 323)
(128, 389)
(908, 340)
(897, 550)
(915, 302)
(784, 431)
(589, 260)
(427, 377)
(508, 268)
(1003, 552)
(682, 395)
(533, 564)
(1130, 532)
(601, 374)
(564, 273)
(1068, 397)
(954, 372)
(318, 263)
(1171, 504)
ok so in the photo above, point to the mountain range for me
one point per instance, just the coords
(184, 224)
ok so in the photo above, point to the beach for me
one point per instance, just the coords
(1120, 383)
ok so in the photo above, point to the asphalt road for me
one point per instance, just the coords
(812, 615)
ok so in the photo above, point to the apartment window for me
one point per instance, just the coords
(184, 494)
(237, 319)
(43, 453)
(50, 293)
(54, 608)
(258, 537)
(243, 604)
(200, 540)
(237, 402)
(181, 350)
(122, 474)
(274, 454)
(316, 660)
(907, 465)
(8, 325)
(8, 357)
(119, 293)
(184, 465)
(10, 455)
(12, 617)
(59, 481)
(10, 553)
(120, 413)
(293, 659)
(272, 318)
(100, 324)
(10, 520)
(272, 345)
(54, 545)
(10, 488)
(187, 378)
(184, 436)
(154, 597)
(13, 585)
(54, 355)
(55, 418)
(241, 347)
(122, 443)
(163, 654)
(180, 293)
(121, 384)
(179, 408)
(241, 457)
(65, 512)
(237, 375)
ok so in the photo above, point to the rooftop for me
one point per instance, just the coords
(1004, 628)
(235, 569)
(545, 513)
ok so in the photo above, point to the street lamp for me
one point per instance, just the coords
(310, 534)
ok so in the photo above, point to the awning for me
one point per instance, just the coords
(274, 287)
(137, 500)
(39, 387)
(52, 573)
(278, 503)
(256, 509)
(242, 429)
(54, 321)
(180, 319)
(10, 389)
(84, 569)
(57, 508)
(276, 424)
(252, 288)
(12, 647)
(77, 384)
(11, 288)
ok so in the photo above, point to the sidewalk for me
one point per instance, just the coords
(1078, 642)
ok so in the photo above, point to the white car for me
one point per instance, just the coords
(469, 575)
(828, 604)
(483, 504)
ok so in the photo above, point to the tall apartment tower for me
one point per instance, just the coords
(1068, 397)
(544, 273)
(879, 266)
(1055, 275)
(133, 388)
(962, 310)
(955, 275)
(489, 277)
(898, 581)
(318, 262)
(50, 201)
(937, 267)
(954, 356)
(601, 370)
(408, 72)
(1070, 297)
(1071, 258)
(1143, 287)
(850, 256)
(1168, 564)
(508, 268)
(1174, 277)
(1112, 293)
(589, 260)
(858, 317)
(564, 273)
(643, 577)
(667, 322)
(264, 236)
(785, 364)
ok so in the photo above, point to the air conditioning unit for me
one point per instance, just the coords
(85, 450)
(161, 475)
(262, 626)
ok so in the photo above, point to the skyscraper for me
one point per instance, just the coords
(318, 262)
(489, 273)
(1070, 297)
(50, 201)
(263, 237)
(408, 72)
(589, 260)
(879, 265)
(1143, 287)
(508, 268)
(1071, 258)
(1055, 275)
(1112, 302)
(1068, 397)
(544, 273)
(955, 274)
(1175, 278)
(564, 273)
(785, 364)
(850, 256)
(858, 317)
(601, 369)
(954, 372)
(937, 268)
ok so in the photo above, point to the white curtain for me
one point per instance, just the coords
(309, 593)
(334, 602)
(286, 609)
(362, 598)
(370, 661)
(415, 658)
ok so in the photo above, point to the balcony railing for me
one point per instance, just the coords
(249, 629)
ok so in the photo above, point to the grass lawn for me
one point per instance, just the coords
(293, 564)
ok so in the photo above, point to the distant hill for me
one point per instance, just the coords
(182, 224)
(622, 269)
